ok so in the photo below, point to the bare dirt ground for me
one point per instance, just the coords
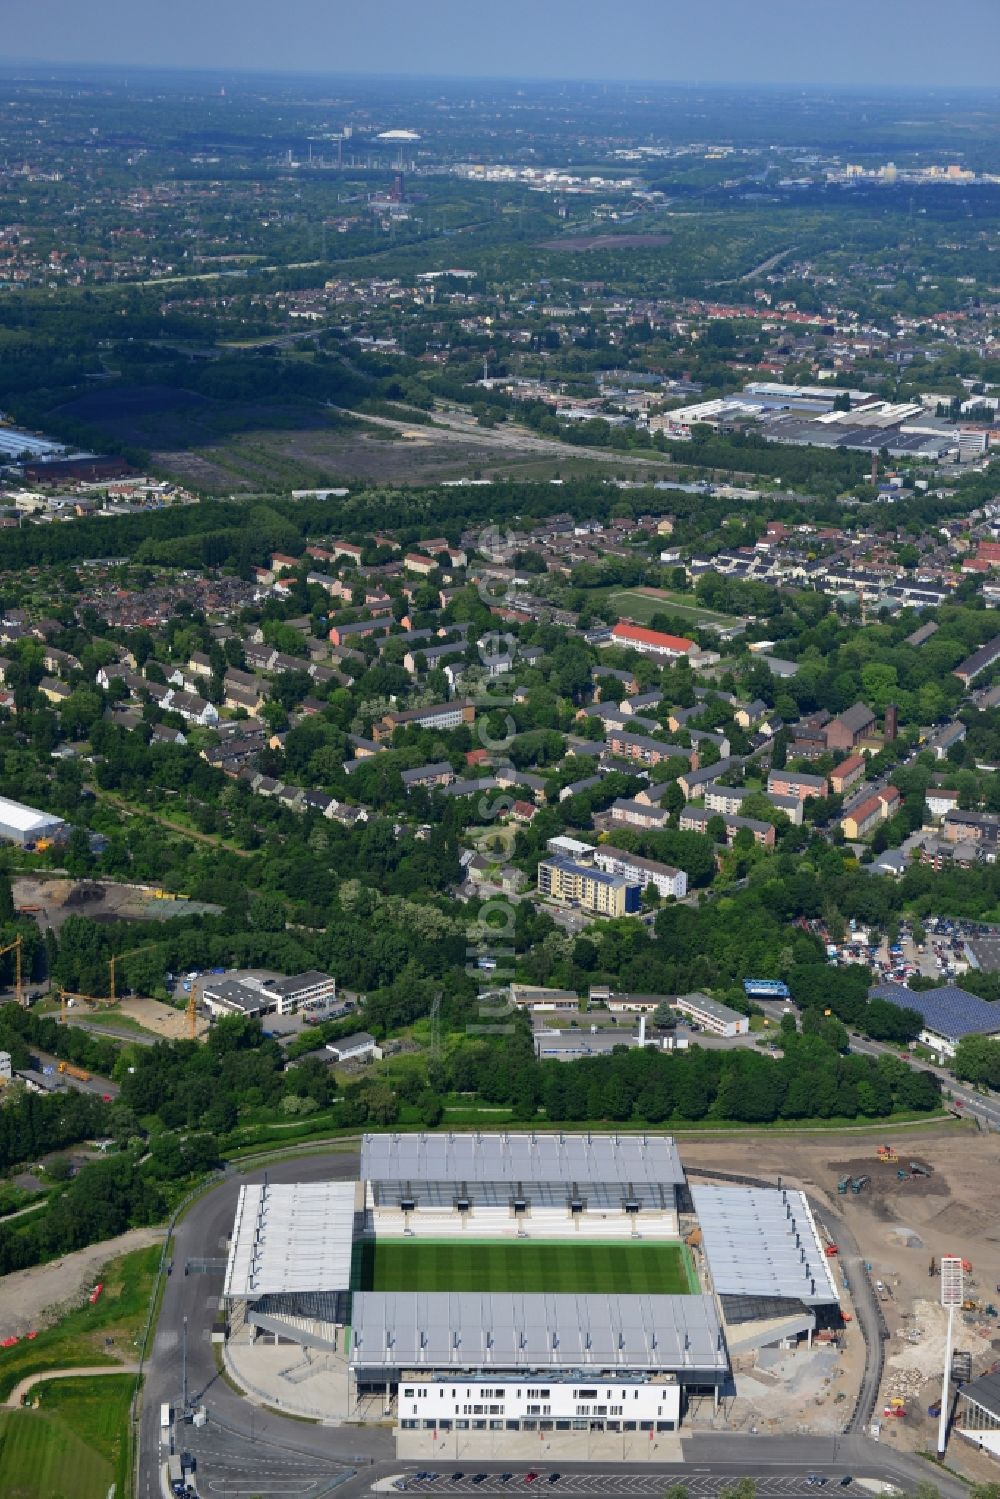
(900, 1226)
(35, 1298)
(163, 1020)
(51, 901)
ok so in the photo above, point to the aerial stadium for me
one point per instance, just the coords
(474, 1287)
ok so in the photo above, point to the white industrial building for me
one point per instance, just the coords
(718, 1019)
(24, 825)
(522, 1185)
(246, 994)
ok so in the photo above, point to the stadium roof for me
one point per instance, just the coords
(505, 1330)
(629, 1159)
(763, 1242)
(949, 1011)
(25, 819)
(295, 1237)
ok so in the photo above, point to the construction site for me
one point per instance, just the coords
(892, 1208)
(52, 901)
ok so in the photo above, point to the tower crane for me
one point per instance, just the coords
(15, 948)
(117, 959)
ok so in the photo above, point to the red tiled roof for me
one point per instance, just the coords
(641, 636)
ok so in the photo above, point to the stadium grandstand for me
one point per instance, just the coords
(490, 1185)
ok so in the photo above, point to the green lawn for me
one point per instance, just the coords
(632, 604)
(74, 1445)
(532, 1265)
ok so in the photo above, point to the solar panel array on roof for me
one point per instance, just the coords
(949, 1011)
(763, 1242)
(507, 1330)
(295, 1237)
(637, 1159)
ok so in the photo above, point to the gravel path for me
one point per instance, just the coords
(17, 1394)
(35, 1298)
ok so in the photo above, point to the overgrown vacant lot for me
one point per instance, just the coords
(432, 1265)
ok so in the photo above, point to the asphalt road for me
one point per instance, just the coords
(239, 1438)
(975, 1105)
(245, 1450)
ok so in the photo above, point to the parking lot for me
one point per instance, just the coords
(704, 1485)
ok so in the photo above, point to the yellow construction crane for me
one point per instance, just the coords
(89, 999)
(15, 948)
(117, 959)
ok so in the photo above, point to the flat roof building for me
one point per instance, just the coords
(595, 891)
(22, 824)
(717, 1018)
(948, 1013)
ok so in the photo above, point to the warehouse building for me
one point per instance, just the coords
(26, 825)
(948, 1013)
(247, 994)
(520, 1185)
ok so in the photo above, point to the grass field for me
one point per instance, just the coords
(73, 1446)
(638, 605)
(449, 1265)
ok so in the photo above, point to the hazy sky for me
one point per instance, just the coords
(838, 42)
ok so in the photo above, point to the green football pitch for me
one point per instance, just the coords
(478, 1265)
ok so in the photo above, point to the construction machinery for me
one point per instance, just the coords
(93, 1000)
(71, 1071)
(932, 1268)
(888, 1154)
(831, 1250)
(843, 1184)
(858, 1183)
(902, 1175)
(15, 948)
(191, 1015)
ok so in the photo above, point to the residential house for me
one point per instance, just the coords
(846, 774)
(866, 816)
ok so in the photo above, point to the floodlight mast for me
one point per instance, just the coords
(951, 1296)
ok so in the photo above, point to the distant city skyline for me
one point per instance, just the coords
(860, 43)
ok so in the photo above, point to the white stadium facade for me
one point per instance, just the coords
(482, 1364)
